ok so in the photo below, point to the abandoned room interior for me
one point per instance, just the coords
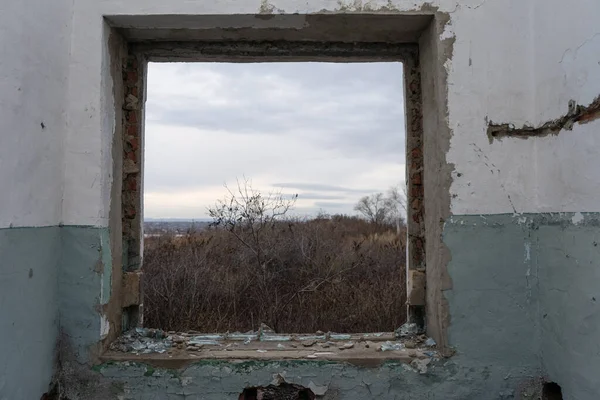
(502, 281)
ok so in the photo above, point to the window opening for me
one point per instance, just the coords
(274, 197)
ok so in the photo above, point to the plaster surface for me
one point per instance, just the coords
(28, 310)
(33, 82)
(531, 298)
(84, 290)
(568, 254)
(226, 380)
(479, 81)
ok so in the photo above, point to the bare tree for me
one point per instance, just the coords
(246, 213)
(396, 204)
(384, 209)
(373, 208)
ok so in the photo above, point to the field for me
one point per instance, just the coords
(339, 274)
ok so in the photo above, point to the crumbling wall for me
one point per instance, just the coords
(498, 294)
(218, 380)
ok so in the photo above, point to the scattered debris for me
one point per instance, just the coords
(264, 328)
(145, 341)
(390, 346)
(275, 338)
(142, 341)
(340, 336)
(420, 364)
(346, 346)
(246, 337)
(406, 330)
(302, 338)
(200, 340)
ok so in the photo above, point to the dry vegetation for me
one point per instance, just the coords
(256, 265)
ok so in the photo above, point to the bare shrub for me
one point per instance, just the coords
(257, 265)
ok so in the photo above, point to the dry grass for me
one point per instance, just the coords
(341, 274)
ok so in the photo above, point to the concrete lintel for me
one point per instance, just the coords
(243, 51)
(366, 27)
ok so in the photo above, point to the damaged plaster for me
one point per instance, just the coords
(218, 380)
(524, 295)
(576, 114)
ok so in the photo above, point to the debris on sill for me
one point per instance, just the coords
(408, 329)
(406, 341)
(390, 346)
(142, 341)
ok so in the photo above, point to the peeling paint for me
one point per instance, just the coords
(577, 218)
(104, 327)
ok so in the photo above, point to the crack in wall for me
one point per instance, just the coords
(576, 114)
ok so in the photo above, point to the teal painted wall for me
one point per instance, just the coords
(50, 284)
(83, 286)
(526, 290)
(28, 310)
(524, 304)
(568, 261)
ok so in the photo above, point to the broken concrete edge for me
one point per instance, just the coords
(436, 51)
(186, 362)
(113, 379)
(576, 113)
(177, 368)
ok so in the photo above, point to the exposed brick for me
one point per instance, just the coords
(416, 179)
(132, 129)
(132, 117)
(134, 143)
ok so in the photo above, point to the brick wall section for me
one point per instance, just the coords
(415, 191)
(132, 195)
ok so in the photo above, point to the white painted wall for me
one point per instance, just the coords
(567, 67)
(34, 59)
(494, 85)
(489, 78)
(502, 69)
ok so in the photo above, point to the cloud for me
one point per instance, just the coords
(320, 187)
(328, 205)
(331, 131)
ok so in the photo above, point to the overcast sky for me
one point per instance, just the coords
(331, 133)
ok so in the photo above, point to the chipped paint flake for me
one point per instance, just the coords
(104, 326)
(577, 218)
(527, 253)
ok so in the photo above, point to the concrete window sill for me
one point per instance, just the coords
(176, 350)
